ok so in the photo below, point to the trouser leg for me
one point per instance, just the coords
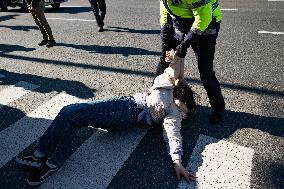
(116, 114)
(45, 27)
(102, 7)
(41, 28)
(204, 51)
(96, 11)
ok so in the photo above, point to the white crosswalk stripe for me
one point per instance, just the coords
(219, 164)
(216, 163)
(97, 161)
(22, 133)
(16, 91)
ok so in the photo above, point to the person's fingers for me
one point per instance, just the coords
(178, 176)
(186, 176)
(177, 173)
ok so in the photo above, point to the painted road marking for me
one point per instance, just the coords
(274, 33)
(16, 91)
(97, 160)
(71, 19)
(229, 9)
(25, 131)
(219, 164)
(276, 0)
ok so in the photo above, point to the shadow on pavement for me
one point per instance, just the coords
(11, 48)
(8, 17)
(154, 167)
(46, 85)
(124, 51)
(128, 30)
(70, 10)
(20, 28)
(256, 90)
(159, 172)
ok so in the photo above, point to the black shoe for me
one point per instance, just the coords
(30, 160)
(101, 29)
(43, 42)
(216, 117)
(51, 43)
(40, 175)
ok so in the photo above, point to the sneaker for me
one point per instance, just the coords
(43, 42)
(40, 175)
(30, 160)
(101, 29)
(216, 117)
(51, 43)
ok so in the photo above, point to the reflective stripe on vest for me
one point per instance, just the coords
(215, 5)
(199, 4)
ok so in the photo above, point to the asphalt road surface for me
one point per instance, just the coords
(245, 151)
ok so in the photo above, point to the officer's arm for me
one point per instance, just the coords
(202, 11)
(167, 29)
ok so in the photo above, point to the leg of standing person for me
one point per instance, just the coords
(41, 28)
(102, 7)
(44, 25)
(96, 11)
(204, 50)
(117, 113)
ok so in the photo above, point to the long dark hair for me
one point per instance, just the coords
(185, 94)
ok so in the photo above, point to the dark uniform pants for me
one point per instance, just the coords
(204, 51)
(40, 20)
(99, 9)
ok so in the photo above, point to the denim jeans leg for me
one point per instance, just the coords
(115, 113)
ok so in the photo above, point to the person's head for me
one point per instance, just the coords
(183, 93)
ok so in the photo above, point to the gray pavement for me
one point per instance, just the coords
(90, 65)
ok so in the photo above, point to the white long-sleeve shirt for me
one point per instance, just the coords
(159, 107)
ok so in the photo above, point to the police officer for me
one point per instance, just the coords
(37, 11)
(194, 23)
(99, 9)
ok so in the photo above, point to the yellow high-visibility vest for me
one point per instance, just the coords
(201, 10)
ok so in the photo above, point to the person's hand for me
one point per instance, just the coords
(170, 55)
(177, 64)
(182, 172)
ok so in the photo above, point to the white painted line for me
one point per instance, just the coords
(25, 131)
(71, 19)
(274, 33)
(16, 91)
(276, 0)
(229, 9)
(97, 160)
(219, 164)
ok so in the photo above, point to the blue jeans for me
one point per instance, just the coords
(117, 113)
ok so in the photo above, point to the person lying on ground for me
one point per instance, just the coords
(168, 102)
